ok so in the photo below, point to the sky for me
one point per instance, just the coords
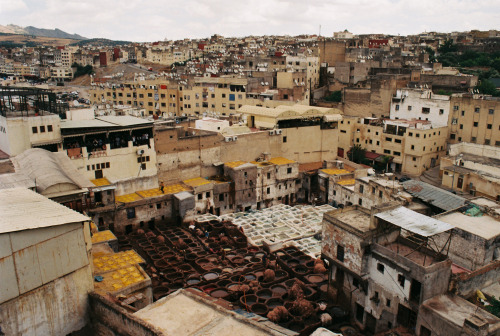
(157, 20)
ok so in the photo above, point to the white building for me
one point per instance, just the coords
(420, 104)
(211, 124)
(45, 267)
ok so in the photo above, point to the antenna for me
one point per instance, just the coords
(319, 30)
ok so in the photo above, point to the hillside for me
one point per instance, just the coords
(30, 30)
(16, 40)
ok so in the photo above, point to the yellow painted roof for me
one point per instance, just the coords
(149, 193)
(281, 161)
(174, 188)
(128, 198)
(335, 171)
(235, 164)
(102, 236)
(138, 195)
(346, 182)
(119, 279)
(101, 182)
(109, 262)
(197, 181)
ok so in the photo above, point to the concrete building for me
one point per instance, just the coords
(44, 265)
(472, 169)
(474, 119)
(20, 131)
(475, 241)
(379, 268)
(119, 148)
(411, 145)
(421, 104)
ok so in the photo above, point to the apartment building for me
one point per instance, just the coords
(62, 73)
(420, 104)
(411, 145)
(475, 119)
(155, 96)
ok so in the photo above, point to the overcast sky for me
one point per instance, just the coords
(153, 20)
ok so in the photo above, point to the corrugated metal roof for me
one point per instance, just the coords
(94, 123)
(125, 120)
(435, 196)
(414, 222)
(23, 209)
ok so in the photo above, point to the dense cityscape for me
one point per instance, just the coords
(263, 185)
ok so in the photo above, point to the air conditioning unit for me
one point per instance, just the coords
(271, 132)
(278, 132)
(140, 152)
(235, 138)
(227, 139)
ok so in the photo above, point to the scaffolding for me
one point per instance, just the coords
(24, 102)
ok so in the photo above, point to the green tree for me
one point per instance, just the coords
(487, 87)
(447, 46)
(335, 96)
(82, 70)
(357, 154)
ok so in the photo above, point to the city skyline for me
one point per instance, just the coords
(152, 21)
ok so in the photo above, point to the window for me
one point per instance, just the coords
(477, 109)
(289, 170)
(461, 126)
(34, 130)
(355, 282)
(426, 110)
(409, 107)
(387, 151)
(441, 111)
(49, 128)
(455, 108)
(130, 213)
(388, 302)
(491, 111)
(487, 141)
(473, 139)
(475, 123)
(380, 194)
(401, 280)
(373, 190)
(397, 107)
(463, 113)
(200, 196)
(452, 136)
(360, 312)
(360, 201)
(396, 153)
(410, 134)
(340, 252)
(388, 139)
(380, 268)
(397, 140)
(412, 146)
(361, 188)
(489, 126)
(284, 139)
(207, 194)
(158, 206)
(268, 190)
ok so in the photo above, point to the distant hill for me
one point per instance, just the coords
(100, 42)
(30, 30)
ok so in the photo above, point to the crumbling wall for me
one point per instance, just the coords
(111, 319)
(468, 283)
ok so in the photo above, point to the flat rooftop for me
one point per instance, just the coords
(155, 192)
(408, 252)
(187, 313)
(455, 310)
(484, 226)
(354, 218)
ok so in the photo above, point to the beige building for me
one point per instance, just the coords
(475, 119)
(472, 168)
(413, 145)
